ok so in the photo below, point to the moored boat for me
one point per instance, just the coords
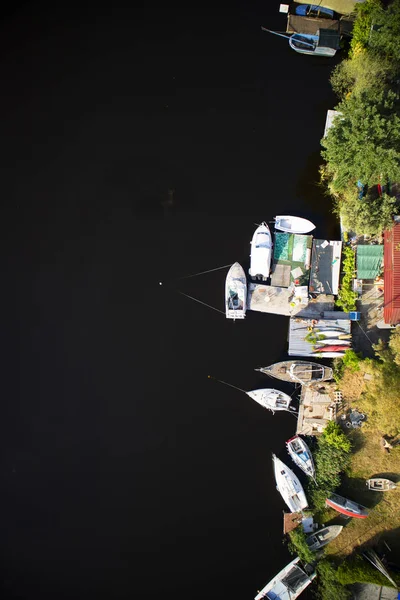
(288, 584)
(347, 507)
(261, 253)
(298, 371)
(291, 224)
(271, 399)
(301, 455)
(236, 292)
(289, 486)
(314, 10)
(324, 43)
(379, 484)
(321, 538)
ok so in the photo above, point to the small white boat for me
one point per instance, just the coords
(321, 538)
(329, 333)
(301, 455)
(324, 43)
(291, 224)
(289, 486)
(236, 292)
(261, 253)
(288, 584)
(336, 342)
(271, 399)
(378, 484)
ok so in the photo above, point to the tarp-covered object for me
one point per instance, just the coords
(369, 261)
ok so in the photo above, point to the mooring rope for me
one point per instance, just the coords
(203, 272)
(225, 383)
(200, 302)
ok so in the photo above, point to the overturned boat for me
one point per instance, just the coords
(301, 455)
(288, 584)
(347, 507)
(291, 224)
(261, 253)
(321, 538)
(378, 484)
(298, 371)
(271, 399)
(289, 486)
(235, 292)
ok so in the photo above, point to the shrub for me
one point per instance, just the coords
(329, 587)
(346, 297)
(297, 545)
(357, 570)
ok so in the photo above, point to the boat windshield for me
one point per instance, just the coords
(263, 240)
(303, 43)
(295, 579)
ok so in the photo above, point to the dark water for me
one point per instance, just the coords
(125, 472)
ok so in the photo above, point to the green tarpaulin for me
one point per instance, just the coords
(369, 261)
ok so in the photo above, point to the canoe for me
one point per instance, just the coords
(301, 455)
(298, 371)
(289, 486)
(235, 292)
(378, 484)
(329, 333)
(321, 538)
(291, 224)
(347, 507)
(261, 253)
(334, 341)
(288, 584)
(271, 399)
(332, 348)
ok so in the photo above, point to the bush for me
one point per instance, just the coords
(357, 570)
(329, 587)
(346, 297)
(352, 359)
(297, 545)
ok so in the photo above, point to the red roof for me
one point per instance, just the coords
(391, 257)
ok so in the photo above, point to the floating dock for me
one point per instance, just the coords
(277, 300)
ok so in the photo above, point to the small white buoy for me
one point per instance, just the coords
(160, 283)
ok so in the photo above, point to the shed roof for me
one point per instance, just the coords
(325, 267)
(299, 330)
(391, 244)
(369, 261)
(310, 25)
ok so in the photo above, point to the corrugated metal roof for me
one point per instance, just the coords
(325, 267)
(391, 244)
(300, 328)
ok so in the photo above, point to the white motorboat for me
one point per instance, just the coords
(288, 584)
(289, 486)
(271, 399)
(236, 292)
(261, 253)
(379, 484)
(347, 507)
(301, 455)
(321, 538)
(291, 224)
(324, 43)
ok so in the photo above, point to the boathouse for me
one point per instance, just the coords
(307, 337)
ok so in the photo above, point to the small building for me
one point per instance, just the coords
(317, 407)
(369, 261)
(325, 267)
(291, 260)
(309, 337)
(391, 275)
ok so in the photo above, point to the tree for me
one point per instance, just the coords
(364, 144)
(363, 71)
(329, 587)
(384, 39)
(370, 215)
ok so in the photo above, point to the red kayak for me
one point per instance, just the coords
(347, 507)
(332, 349)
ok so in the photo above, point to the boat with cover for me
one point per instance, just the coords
(271, 399)
(288, 584)
(236, 292)
(289, 486)
(298, 371)
(261, 253)
(314, 10)
(347, 507)
(324, 43)
(378, 484)
(301, 455)
(291, 224)
(321, 538)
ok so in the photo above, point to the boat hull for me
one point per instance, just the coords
(323, 537)
(347, 507)
(273, 400)
(236, 292)
(308, 44)
(277, 588)
(298, 371)
(261, 253)
(290, 224)
(289, 486)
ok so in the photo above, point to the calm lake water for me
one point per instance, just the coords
(141, 147)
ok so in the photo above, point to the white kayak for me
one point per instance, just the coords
(271, 399)
(291, 224)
